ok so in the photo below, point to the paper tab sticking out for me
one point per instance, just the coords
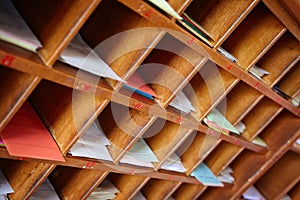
(226, 54)
(258, 72)
(80, 55)
(218, 122)
(165, 6)
(26, 136)
(226, 176)
(106, 190)
(92, 144)
(13, 28)
(181, 102)
(253, 194)
(173, 163)
(203, 174)
(45, 192)
(5, 187)
(140, 154)
(257, 140)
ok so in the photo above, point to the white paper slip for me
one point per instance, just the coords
(225, 176)
(139, 196)
(217, 117)
(298, 141)
(45, 192)
(258, 72)
(5, 187)
(13, 28)
(3, 197)
(286, 197)
(80, 55)
(181, 102)
(92, 144)
(173, 163)
(106, 190)
(226, 54)
(240, 127)
(165, 6)
(253, 194)
(259, 141)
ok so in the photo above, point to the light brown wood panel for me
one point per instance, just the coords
(220, 16)
(75, 183)
(295, 192)
(127, 184)
(55, 22)
(187, 191)
(279, 58)
(248, 44)
(24, 176)
(122, 126)
(206, 88)
(169, 67)
(157, 189)
(15, 89)
(263, 113)
(293, 8)
(290, 83)
(281, 177)
(249, 165)
(240, 100)
(198, 150)
(163, 140)
(179, 5)
(66, 112)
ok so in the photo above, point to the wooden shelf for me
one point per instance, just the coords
(136, 36)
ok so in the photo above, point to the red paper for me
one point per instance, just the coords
(137, 82)
(26, 136)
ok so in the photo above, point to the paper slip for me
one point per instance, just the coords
(92, 144)
(181, 102)
(45, 192)
(217, 117)
(203, 174)
(13, 28)
(173, 163)
(140, 154)
(225, 176)
(257, 140)
(226, 54)
(165, 6)
(240, 127)
(258, 72)
(80, 55)
(26, 136)
(5, 187)
(106, 190)
(253, 194)
(139, 196)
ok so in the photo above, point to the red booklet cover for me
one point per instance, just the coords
(26, 136)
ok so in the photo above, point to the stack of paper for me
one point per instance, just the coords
(258, 72)
(106, 190)
(226, 176)
(26, 136)
(138, 85)
(218, 122)
(139, 196)
(80, 55)
(279, 91)
(253, 194)
(226, 54)
(257, 140)
(45, 192)
(189, 23)
(203, 174)
(173, 163)
(5, 187)
(140, 154)
(13, 28)
(92, 144)
(181, 102)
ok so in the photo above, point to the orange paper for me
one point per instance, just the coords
(26, 136)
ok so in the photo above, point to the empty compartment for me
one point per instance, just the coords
(219, 17)
(283, 55)
(249, 44)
